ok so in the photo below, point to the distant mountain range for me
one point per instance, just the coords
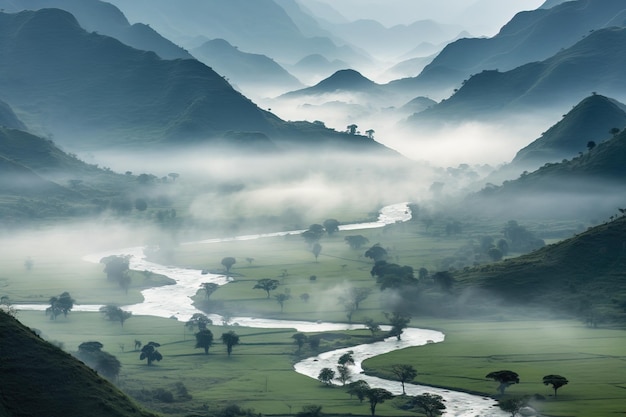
(530, 36)
(91, 91)
(594, 64)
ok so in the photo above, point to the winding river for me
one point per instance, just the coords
(174, 301)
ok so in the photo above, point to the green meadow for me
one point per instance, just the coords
(259, 375)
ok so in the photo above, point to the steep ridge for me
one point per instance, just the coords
(39, 378)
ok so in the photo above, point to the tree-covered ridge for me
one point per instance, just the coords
(56, 384)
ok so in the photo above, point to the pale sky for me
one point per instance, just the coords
(480, 17)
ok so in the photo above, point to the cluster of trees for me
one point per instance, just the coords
(61, 304)
(506, 378)
(104, 363)
(114, 313)
(117, 270)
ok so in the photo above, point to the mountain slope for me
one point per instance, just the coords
(584, 276)
(106, 19)
(8, 117)
(38, 378)
(249, 72)
(528, 37)
(347, 80)
(593, 64)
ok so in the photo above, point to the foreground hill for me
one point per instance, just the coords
(593, 64)
(40, 379)
(529, 36)
(583, 276)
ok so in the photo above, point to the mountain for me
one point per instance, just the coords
(591, 185)
(315, 67)
(259, 26)
(591, 120)
(249, 72)
(39, 378)
(347, 80)
(581, 276)
(530, 36)
(595, 63)
(8, 117)
(106, 19)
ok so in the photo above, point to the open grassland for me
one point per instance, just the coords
(593, 360)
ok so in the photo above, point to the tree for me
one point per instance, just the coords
(351, 129)
(359, 389)
(230, 339)
(590, 145)
(431, 404)
(313, 233)
(370, 133)
(150, 353)
(331, 226)
(404, 373)
(305, 297)
(326, 376)
(376, 253)
(299, 339)
(173, 175)
(317, 249)
(209, 288)
(204, 340)
(505, 378)
(513, 405)
(346, 358)
(372, 326)
(62, 304)
(310, 411)
(102, 362)
(200, 320)
(444, 280)
(115, 266)
(356, 241)
(267, 285)
(377, 396)
(344, 374)
(398, 322)
(390, 275)
(557, 381)
(228, 263)
(114, 313)
(281, 298)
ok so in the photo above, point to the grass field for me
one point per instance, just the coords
(259, 374)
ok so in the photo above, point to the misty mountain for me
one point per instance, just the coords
(8, 117)
(39, 377)
(581, 276)
(590, 185)
(591, 120)
(106, 19)
(346, 80)
(248, 72)
(594, 64)
(530, 36)
(260, 26)
(317, 67)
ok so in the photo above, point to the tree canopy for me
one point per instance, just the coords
(61, 304)
(114, 313)
(230, 339)
(557, 381)
(204, 340)
(150, 353)
(267, 285)
(377, 396)
(431, 404)
(506, 378)
(403, 373)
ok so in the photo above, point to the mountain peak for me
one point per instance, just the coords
(346, 79)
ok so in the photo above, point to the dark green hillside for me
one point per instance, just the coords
(595, 63)
(584, 276)
(591, 120)
(530, 36)
(40, 379)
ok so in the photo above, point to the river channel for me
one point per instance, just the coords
(174, 301)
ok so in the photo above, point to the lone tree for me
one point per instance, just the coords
(356, 241)
(344, 374)
(403, 373)
(267, 285)
(377, 396)
(359, 389)
(346, 359)
(513, 405)
(230, 339)
(372, 326)
(398, 322)
(150, 353)
(317, 249)
(62, 304)
(331, 226)
(431, 404)
(228, 263)
(326, 376)
(204, 340)
(299, 339)
(281, 298)
(505, 378)
(557, 381)
(114, 313)
(209, 288)
(200, 320)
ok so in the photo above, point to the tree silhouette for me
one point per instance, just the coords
(114, 313)
(281, 298)
(228, 263)
(557, 381)
(377, 396)
(404, 373)
(326, 376)
(358, 388)
(356, 241)
(317, 249)
(267, 285)
(331, 226)
(209, 288)
(204, 340)
(299, 339)
(230, 339)
(62, 304)
(431, 404)
(398, 322)
(505, 378)
(150, 353)
(200, 320)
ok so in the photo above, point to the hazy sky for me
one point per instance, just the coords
(481, 17)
